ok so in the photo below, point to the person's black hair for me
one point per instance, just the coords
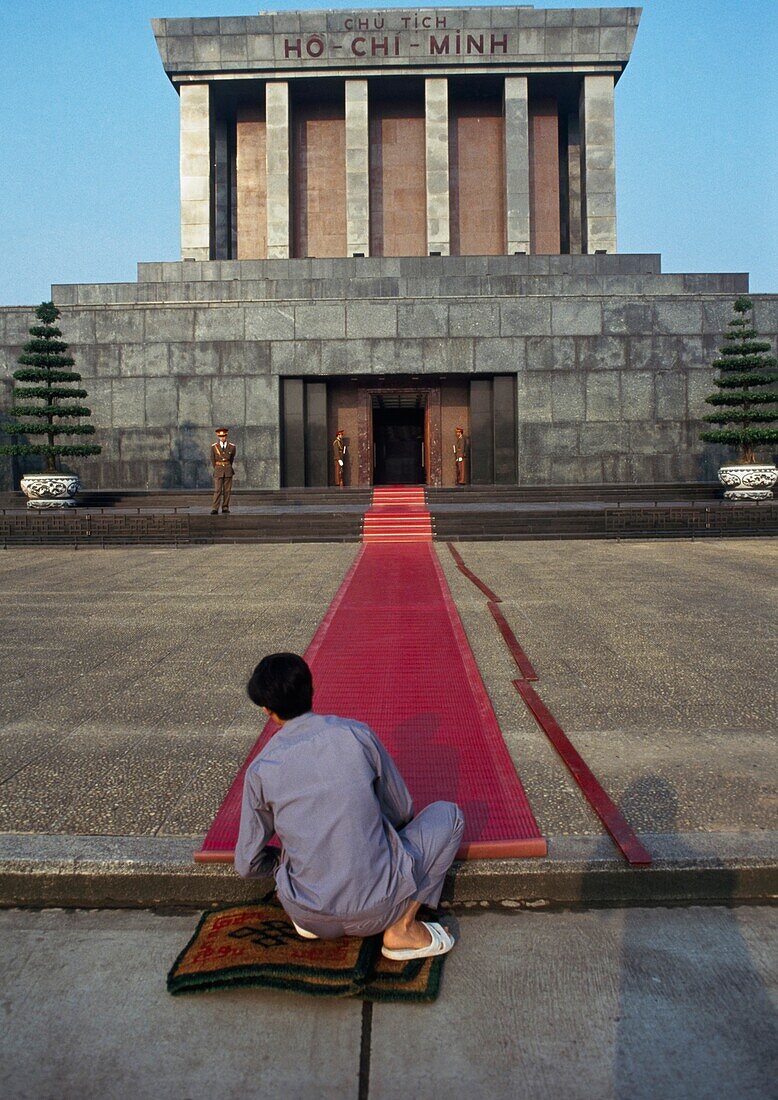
(282, 682)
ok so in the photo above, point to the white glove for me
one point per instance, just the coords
(340, 462)
(459, 460)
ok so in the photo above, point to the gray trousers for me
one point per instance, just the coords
(432, 840)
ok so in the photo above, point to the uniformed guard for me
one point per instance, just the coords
(460, 457)
(339, 448)
(222, 458)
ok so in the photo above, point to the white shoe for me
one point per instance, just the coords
(442, 942)
(305, 935)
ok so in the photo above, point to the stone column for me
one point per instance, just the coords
(598, 165)
(517, 163)
(357, 169)
(278, 170)
(574, 182)
(438, 197)
(195, 166)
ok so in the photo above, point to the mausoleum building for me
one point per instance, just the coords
(396, 222)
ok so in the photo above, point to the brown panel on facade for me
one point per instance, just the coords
(477, 174)
(455, 413)
(544, 176)
(251, 173)
(319, 179)
(398, 186)
(342, 413)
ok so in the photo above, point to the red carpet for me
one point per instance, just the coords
(392, 652)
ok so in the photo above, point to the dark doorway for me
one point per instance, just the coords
(398, 438)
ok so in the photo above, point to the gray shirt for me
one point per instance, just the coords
(332, 793)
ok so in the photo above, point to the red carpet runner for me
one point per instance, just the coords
(391, 651)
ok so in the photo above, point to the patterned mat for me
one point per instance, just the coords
(257, 945)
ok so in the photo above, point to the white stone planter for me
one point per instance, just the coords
(748, 482)
(48, 491)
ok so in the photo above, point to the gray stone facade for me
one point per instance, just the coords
(611, 358)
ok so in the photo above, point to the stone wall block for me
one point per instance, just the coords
(250, 358)
(169, 324)
(602, 353)
(100, 402)
(106, 360)
(533, 395)
(766, 316)
(603, 400)
(654, 438)
(637, 395)
(219, 323)
(144, 359)
(547, 440)
(596, 438)
(367, 319)
(119, 326)
(576, 317)
(699, 385)
(443, 356)
(586, 41)
(474, 319)
(504, 355)
(161, 402)
(128, 405)
(77, 325)
(422, 318)
(324, 320)
(394, 356)
(194, 402)
(145, 444)
(670, 388)
(627, 318)
(653, 352)
(269, 322)
(525, 317)
(201, 358)
(558, 353)
(262, 400)
(261, 458)
(677, 317)
(568, 396)
(228, 401)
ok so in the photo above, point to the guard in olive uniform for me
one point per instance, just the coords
(339, 454)
(222, 458)
(460, 457)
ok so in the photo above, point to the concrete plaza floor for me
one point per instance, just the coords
(604, 1005)
(124, 674)
(123, 719)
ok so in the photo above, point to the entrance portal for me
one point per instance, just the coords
(398, 438)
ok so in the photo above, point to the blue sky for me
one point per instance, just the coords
(89, 138)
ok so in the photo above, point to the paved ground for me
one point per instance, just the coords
(656, 657)
(124, 709)
(604, 1005)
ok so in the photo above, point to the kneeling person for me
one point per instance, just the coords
(354, 859)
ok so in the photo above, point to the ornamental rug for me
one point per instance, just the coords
(257, 945)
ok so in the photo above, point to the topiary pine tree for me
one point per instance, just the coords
(45, 363)
(747, 387)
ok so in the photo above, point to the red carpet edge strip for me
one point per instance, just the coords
(602, 804)
(523, 662)
(607, 811)
(471, 575)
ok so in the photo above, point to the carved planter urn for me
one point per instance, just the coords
(49, 491)
(748, 482)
